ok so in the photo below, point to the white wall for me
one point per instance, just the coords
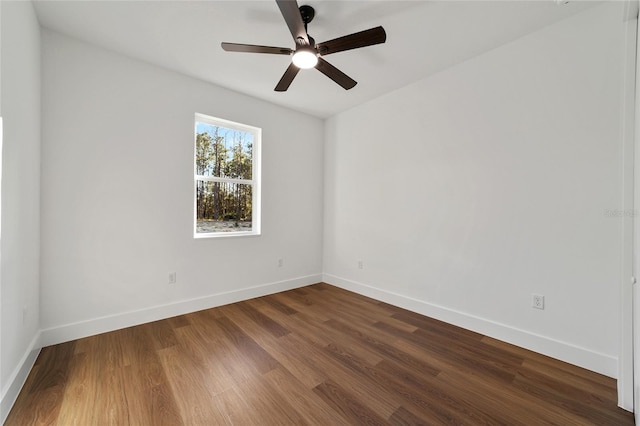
(20, 246)
(468, 191)
(117, 195)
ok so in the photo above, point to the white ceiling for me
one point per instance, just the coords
(423, 37)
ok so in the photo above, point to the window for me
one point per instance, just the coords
(227, 178)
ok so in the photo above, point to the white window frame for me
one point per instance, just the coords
(256, 162)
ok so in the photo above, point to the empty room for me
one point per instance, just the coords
(319, 212)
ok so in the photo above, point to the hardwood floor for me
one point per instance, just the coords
(316, 355)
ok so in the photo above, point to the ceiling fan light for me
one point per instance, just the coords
(305, 58)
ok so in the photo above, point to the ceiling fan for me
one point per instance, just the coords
(307, 53)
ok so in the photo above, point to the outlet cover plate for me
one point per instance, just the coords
(537, 301)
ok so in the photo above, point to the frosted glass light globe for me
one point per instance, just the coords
(305, 58)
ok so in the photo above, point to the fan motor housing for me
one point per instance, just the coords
(307, 12)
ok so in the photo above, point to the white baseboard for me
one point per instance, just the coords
(582, 357)
(68, 332)
(18, 377)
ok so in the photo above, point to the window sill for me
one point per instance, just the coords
(226, 235)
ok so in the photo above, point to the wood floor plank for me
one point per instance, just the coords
(41, 397)
(605, 392)
(39, 408)
(78, 393)
(234, 409)
(212, 361)
(319, 333)
(573, 401)
(273, 408)
(407, 387)
(274, 347)
(453, 403)
(577, 391)
(476, 382)
(503, 369)
(435, 326)
(268, 323)
(313, 408)
(381, 401)
(316, 332)
(276, 304)
(23, 404)
(292, 359)
(404, 417)
(398, 324)
(316, 355)
(251, 351)
(555, 367)
(111, 404)
(53, 363)
(220, 353)
(161, 408)
(301, 304)
(487, 398)
(388, 350)
(359, 313)
(191, 387)
(305, 326)
(288, 320)
(437, 362)
(347, 405)
(327, 290)
(149, 394)
(178, 321)
(162, 333)
(344, 300)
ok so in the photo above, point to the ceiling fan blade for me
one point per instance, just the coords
(364, 38)
(291, 14)
(252, 48)
(287, 78)
(335, 74)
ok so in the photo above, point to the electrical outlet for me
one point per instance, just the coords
(280, 263)
(172, 277)
(537, 301)
(360, 264)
